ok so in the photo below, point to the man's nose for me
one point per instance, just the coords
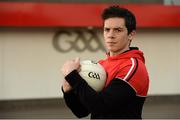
(111, 34)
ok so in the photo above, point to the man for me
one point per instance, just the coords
(127, 83)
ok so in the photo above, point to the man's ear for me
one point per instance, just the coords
(131, 35)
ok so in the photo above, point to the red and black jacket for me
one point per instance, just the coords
(124, 93)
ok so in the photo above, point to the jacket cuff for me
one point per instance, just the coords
(74, 79)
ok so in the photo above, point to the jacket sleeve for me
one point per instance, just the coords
(118, 93)
(73, 102)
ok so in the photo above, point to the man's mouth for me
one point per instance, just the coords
(111, 43)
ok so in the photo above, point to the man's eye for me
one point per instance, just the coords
(118, 30)
(106, 29)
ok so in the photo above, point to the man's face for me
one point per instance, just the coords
(116, 35)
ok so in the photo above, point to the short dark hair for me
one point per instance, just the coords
(116, 11)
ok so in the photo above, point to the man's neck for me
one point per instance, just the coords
(118, 52)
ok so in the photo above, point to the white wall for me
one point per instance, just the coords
(162, 48)
(30, 65)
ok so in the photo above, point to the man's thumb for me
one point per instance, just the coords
(77, 59)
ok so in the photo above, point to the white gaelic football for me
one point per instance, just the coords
(94, 74)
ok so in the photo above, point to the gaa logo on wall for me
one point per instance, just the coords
(78, 40)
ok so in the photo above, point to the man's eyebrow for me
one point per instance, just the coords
(119, 27)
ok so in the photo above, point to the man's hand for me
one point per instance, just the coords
(67, 68)
(70, 65)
